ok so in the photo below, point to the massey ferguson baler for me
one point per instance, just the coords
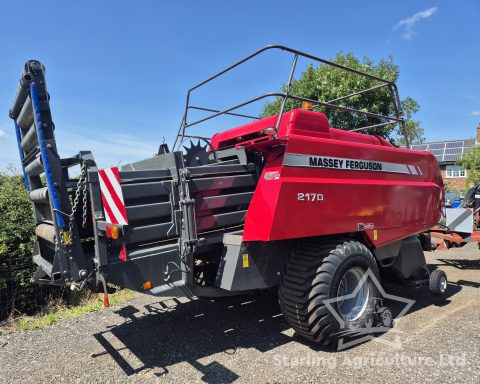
(285, 201)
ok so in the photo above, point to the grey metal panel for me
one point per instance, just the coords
(220, 220)
(152, 163)
(142, 190)
(148, 211)
(42, 263)
(220, 201)
(166, 161)
(225, 182)
(128, 176)
(410, 257)
(265, 263)
(218, 169)
(138, 270)
(460, 219)
(152, 251)
(150, 232)
(388, 251)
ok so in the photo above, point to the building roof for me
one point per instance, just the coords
(446, 151)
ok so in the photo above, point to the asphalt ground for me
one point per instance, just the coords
(246, 339)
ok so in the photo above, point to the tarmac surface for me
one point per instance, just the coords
(245, 339)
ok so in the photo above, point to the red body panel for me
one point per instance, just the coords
(357, 182)
(297, 121)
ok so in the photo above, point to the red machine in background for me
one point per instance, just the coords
(460, 225)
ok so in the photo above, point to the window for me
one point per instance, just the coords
(455, 171)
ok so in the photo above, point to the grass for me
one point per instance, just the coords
(61, 313)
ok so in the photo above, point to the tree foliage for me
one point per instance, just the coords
(325, 83)
(471, 162)
(16, 231)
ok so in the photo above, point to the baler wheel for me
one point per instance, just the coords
(318, 270)
(438, 282)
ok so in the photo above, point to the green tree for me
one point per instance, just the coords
(326, 83)
(16, 240)
(471, 162)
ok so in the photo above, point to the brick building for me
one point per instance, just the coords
(447, 154)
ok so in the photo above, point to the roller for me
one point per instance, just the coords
(20, 94)
(25, 117)
(46, 232)
(35, 167)
(39, 195)
(30, 139)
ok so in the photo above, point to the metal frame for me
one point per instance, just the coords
(58, 250)
(398, 119)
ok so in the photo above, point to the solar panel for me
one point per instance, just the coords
(453, 151)
(454, 144)
(450, 157)
(446, 150)
(421, 147)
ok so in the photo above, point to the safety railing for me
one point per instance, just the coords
(286, 95)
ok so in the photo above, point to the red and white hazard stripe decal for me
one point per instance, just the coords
(112, 196)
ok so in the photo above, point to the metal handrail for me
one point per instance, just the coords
(285, 95)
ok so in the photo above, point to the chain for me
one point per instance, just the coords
(84, 201)
(81, 191)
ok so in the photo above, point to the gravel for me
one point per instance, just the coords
(245, 338)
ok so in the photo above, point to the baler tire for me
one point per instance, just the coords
(438, 282)
(313, 274)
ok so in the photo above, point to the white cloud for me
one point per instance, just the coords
(109, 149)
(408, 23)
(476, 113)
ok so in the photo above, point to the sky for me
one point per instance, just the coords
(118, 71)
